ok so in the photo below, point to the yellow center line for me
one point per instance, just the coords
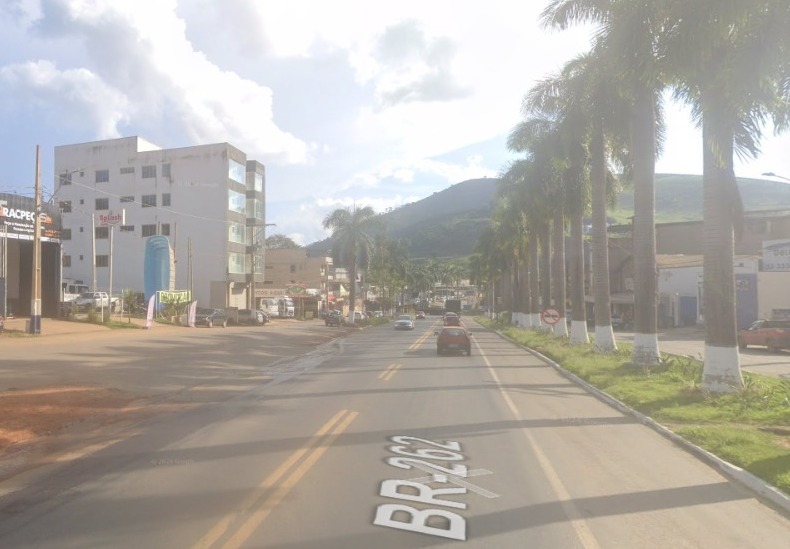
(251, 524)
(391, 372)
(222, 526)
(383, 374)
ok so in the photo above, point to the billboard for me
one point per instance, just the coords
(18, 214)
(776, 255)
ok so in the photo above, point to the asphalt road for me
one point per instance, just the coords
(374, 441)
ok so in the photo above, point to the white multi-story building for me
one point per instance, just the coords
(208, 200)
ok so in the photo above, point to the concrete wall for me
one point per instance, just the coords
(773, 295)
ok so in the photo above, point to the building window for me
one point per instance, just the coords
(102, 203)
(165, 229)
(149, 230)
(149, 201)
(127, 170)
(293, 268)
(166, 170)
(65, 234)
(236, 263)
(65, 206)
(259, 182)
(237, 202)
(81, 229)
(102, 233)
(165, 199)
(65, 178)
(127, 199)
(149, 172)
(127, 228)
(66, 261)
(81, 257)
(102, 261)
(82, 201)
(102, 176)
(237, 171)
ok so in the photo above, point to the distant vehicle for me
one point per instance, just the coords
(773, 334)
(210, 317)
(285, 307)
(333, 318)
(95, 300)
(420, 315)
(452, 319)
(404, 322)
(453, 339)
(71, 289)
(452, 306)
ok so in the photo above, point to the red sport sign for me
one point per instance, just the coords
(550, 316)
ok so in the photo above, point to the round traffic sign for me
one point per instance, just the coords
(550, 315)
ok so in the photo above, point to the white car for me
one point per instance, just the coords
(404, 322)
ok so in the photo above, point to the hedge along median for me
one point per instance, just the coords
(750, 428)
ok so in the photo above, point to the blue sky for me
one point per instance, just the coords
(345, 102)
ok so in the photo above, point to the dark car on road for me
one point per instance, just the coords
(333, 318)
(211, 317)
(452, 319)
(773, 334)
(453, 339)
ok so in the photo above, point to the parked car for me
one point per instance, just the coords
(452, 319)
(210, 317)
(453, 339)
(333, 318)
(404, 322)
(773, 334)
(253, 317)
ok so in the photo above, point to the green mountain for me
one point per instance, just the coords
(449, 222)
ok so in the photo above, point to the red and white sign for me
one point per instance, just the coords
(550, 315)
(112, 218)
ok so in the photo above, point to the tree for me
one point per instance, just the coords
(351, 243)
(730, 62)
(280, 242)
(630, 31)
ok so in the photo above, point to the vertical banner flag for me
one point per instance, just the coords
(149, 320)
(192, 312)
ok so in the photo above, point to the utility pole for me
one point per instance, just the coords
(35, 302)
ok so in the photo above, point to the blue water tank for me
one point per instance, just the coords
(158, 266)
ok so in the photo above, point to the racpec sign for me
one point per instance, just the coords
(18, 216)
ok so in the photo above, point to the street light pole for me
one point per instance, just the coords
(35, 302)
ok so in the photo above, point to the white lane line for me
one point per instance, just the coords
(577, 521)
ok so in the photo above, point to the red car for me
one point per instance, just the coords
(773, 334)
(453, 339)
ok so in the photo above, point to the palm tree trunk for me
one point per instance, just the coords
(645, 350)
(721, 371)
(534, 282)
(604, 335)
(558, 270)
(579, 333)
(524, 319)
(545, 268)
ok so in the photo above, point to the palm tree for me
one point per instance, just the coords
(630, 31)
(351, 243)
(730, 62)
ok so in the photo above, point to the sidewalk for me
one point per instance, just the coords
(17, 327)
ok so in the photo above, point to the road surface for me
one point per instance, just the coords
(373, 441)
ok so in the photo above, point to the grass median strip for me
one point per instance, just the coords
(749, 428)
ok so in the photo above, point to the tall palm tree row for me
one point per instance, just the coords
(352, 243)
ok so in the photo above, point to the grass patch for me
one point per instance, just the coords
(749, 428)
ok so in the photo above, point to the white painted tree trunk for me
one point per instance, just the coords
(561, 328)
(645, 351)
(535, 320)
(604, 340)
(579, 334)
(722, 370)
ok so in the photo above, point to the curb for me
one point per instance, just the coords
(761, 488)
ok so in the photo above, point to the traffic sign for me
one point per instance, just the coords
(550, 315)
